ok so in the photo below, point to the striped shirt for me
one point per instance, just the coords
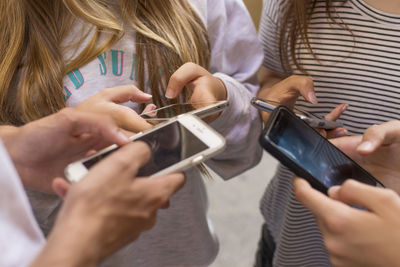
(358, 65)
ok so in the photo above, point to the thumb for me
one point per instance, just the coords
(359, 194)
(184, 75)
(304, 85)
(61, 187)
(125, 93)
(379, 135)
(171, 183)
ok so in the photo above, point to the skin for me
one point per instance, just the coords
(206, 88)
(286, 90)
(89, 227)
(355, 237)
(388, 6)
(107, 101)
(41, 149)
(107, 209)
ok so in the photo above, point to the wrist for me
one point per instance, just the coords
(73, 242)
(222, 94)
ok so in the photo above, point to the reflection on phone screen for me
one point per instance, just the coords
(313, 153)
(169, 145)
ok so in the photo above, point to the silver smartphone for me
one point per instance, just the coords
(311, 119)
(165, 113)
(176, 145)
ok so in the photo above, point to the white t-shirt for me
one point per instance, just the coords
(182, 235)
(20, 236)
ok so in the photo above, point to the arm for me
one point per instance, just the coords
(235, 58)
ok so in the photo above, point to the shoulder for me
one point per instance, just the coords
(210, 9)
(273, 9)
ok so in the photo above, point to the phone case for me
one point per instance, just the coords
(298, 170)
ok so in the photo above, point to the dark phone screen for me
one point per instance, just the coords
(313, 153)
(169, 145)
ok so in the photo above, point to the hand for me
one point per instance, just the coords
(287, 91)
(206, 88)
(42, 149)
(107, 103)
(377, 151)
(107, 209)
(355, 237)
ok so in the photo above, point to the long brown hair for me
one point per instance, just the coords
(32, 64)
(294, 28)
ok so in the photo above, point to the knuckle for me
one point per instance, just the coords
(122, 162)
(338, 221)
(333, 246)
(306, 82)
(348, 186)
(68, 115)
(388, 197)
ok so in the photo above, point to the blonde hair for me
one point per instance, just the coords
(168, 34)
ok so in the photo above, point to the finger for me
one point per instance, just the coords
(150, 110)
(379, 135)
(125, 93)
(60, 187)
(90, 153)
(124, 163)
(128, 119)
(338, 132)
(370, 197)
(348, 145)
(167, 186)
(318, 203)
(336, 112)
(184, 75)
(81, 123)
(305, 87)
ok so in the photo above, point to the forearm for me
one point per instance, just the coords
(70, 244)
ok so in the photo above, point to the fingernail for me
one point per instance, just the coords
(365, 146)
(169, 93)
(345, 106)
(342, 132)
(333, 190)
(312, 98)
(147, 95)
(123, 136)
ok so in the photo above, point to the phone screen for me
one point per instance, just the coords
(313, 153)
(169, 145)
(168, 111)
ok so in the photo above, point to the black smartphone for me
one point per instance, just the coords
(308, 154)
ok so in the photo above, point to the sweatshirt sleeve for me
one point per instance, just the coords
(235, 59)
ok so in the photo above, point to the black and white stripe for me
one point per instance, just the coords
(359, 66)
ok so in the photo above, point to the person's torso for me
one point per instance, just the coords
(357, 64)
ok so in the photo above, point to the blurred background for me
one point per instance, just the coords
(254, 7)
(234, 204)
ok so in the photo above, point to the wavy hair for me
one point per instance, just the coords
(294, 27)
(32, 52)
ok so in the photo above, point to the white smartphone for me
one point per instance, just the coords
(176, 145)
(167, 112)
